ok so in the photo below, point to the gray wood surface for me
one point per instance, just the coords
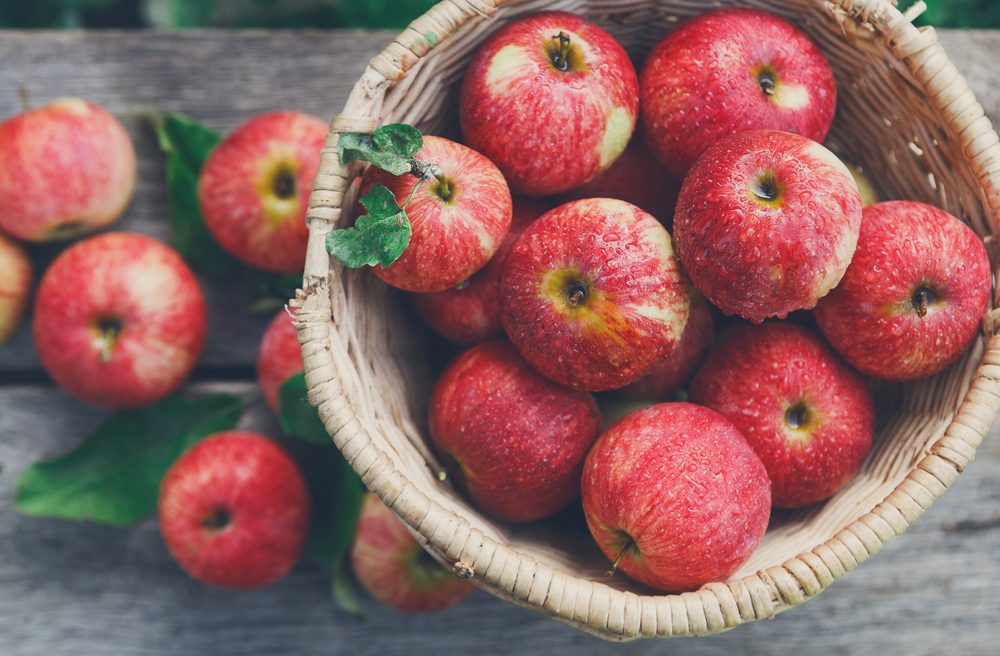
(78, 588)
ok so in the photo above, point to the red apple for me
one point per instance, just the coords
(234, 511)
(119, 320)
(457, 221)
(766, 223)
(552, 99)
(469, 313)
(15, 285)
(253, 189)
(279, 357)
(729, 71)
(674, 372)
(914, 295)
(677, 494)
(592, 295)
(635, 177)
(65, 169)
(804, 411)
(518, 439)
(392, 566)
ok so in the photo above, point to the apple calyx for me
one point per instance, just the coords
(629, 544)
(767, 190)
(798, 417)
(923, 298)
(107, 334)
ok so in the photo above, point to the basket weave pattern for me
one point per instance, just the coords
(904, 113)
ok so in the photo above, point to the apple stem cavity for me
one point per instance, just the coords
(797, 416)
(560, 58)
(629, 543)
(576, 293)
(217, 520)
(921, 299)
(109, 329)
(284, 186)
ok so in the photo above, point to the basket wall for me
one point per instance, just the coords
(904, 115)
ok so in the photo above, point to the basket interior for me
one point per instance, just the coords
(884, 124)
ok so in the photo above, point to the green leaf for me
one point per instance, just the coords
(187, 143)
(378, 237)
(114, 475)
(337, 493)
(390, 147)
(274, 289)
(297, 416)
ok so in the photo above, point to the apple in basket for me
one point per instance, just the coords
(253, 189)
(913, 297)
(552, 99)
(66, 169)
(592, 294)
(516, 440)
(279, 357)
(15, 285)
(675, 496)
(729, 71)
(119, 320)
(766, 223)
(458, 220)
(234, 511)
(391, 565)
(469, 313)
(806, 413)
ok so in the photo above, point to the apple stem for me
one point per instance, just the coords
(562, 57)
(767, 86)
(621, 554)
(109, 335)
(22, 93)
(445, 471)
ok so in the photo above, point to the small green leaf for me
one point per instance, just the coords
(378, 237)
(390, 147)
(297, 416)
(187, 143)
(114, 475)
(337, 493)
(274, 289)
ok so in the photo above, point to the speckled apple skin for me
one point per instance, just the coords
(66, 169)
(389, 563)
(451, 239)
(638, 305)
(259, 486)
(469, 313)
(678, 368)
(279, 357)
(756, 260)
(683, 483)
(549, 130)
(519, 439)
(138, 281)
(699, 84)
(761, 371)
(16, 274)
(869, 318)
(236, 189)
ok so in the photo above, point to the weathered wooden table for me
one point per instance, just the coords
(78, 588)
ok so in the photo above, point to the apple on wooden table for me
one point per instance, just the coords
(119, 320)
(552, 99)
(234, 511)
(15, 285)
(66, 169)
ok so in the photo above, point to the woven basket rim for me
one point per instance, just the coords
(520, 579)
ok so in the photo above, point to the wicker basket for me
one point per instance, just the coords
(904, 113)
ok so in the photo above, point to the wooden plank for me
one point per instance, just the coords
(68, 587)
(221, 78)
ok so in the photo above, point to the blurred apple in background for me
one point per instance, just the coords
(806, 413)
(458, 220)
(518, 438)
(253, 189)
(766, 223)
(392, 566)
(729, 71)
(675, 494)
(914, 296)
(279, 357)
(66, 169)
(15, 285)
(234, 511)
(469, 313)
(552, 99)
(592, 294)
(119, 320)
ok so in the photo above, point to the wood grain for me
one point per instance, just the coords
(78, 588)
